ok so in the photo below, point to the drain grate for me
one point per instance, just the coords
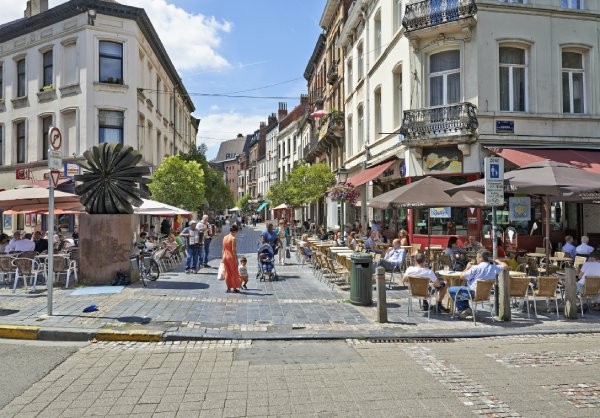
(410, 340)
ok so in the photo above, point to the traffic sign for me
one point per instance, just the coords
(494, 181)
(55, 138)
(55, 175)
(55, 160)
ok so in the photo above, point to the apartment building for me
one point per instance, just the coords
(228, 158)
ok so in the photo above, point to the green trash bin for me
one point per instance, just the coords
(361, 282)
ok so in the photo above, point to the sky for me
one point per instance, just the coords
(236, 47)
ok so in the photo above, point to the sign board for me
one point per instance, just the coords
(439, 212)
(71, 170)
(22, 174)
(55, 138)
(505, 126)
(55, 160)
(55, 175)
(519, 209)
(494, 181)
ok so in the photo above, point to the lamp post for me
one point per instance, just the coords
(342, 177)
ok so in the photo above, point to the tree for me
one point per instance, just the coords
(179, 183)
(217, 193)
(279, 193)
(243, 203)
(307, 183)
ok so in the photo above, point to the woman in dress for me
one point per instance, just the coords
(230, 260)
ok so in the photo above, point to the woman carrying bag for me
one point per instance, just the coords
(283, 236)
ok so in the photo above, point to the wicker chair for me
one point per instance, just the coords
(519, 289)
(591, 289)
(421, 288)
(26, 267)
(483, 289)
(546, 288)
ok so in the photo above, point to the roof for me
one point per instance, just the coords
(229, 150)
(294, 115)
(317, 52)
(24, 26)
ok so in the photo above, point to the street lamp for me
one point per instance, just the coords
(342, 178)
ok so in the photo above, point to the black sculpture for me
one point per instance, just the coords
(109, 184)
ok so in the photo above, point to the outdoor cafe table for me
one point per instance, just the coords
(452, 278)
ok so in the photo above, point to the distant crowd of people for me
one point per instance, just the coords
(36, 241)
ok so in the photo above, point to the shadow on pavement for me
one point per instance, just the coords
(6, 312)
(176, 285)
(134, 319)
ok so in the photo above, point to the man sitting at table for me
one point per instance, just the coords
(18, 244)
(590, 268)
(372, 241)
(583, 249)
(483, 270)
(421, 271)
(41, 244)
(394, 257)
(473, 244)
(569, 248)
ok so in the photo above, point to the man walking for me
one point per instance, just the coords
(193, 247)
(207, 230)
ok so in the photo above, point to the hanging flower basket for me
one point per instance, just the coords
(345, 192)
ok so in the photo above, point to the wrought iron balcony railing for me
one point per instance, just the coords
(428, 13)
(460, 118)
(332, 73)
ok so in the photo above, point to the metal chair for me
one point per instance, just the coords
(591, 288)
(483, 290)
(546, 288)
(421, 288)
(62, 264)
(518, 289)
(26, 267)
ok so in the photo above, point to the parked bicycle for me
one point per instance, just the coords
(145, 263)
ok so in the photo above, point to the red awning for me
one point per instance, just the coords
(369, 174)
(585, 159)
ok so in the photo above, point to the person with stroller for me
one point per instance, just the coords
(266, 263)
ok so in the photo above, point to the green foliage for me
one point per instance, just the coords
(305, 184)
(179, 183)
(243, 203)
(218, 195)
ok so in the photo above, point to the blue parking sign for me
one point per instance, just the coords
(494, 171)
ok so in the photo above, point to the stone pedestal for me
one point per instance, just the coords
(105, 244)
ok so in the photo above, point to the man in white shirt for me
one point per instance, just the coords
(394, 257)
(590, 268)
(421, 271)
(584, 249)
(18, 244)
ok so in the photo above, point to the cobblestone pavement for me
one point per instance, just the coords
(349, 378)
(298, 305)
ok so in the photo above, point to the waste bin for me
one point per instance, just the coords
(361, 282)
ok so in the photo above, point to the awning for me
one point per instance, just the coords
(369, 174)
(588, 160)
(262, 205)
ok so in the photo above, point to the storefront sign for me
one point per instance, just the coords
(396, 171)
(439, 212)
(71, 169)
(519, 209)
(22, 174)
(442, 161)
(505, 126)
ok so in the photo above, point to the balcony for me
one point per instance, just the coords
(316, 97)
(332, 73)
(434, 123)
(431, 13)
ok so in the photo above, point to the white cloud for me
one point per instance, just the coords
(218, 127)
(192, 40)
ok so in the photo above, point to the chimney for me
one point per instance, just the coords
(304, 99)
(240, 136)
(282, 112)
(35, 7)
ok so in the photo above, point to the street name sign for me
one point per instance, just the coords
(494, 181)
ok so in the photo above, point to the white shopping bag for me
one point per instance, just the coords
(221, 272)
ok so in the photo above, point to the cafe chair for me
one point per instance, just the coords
(62, 264)
(421, 288)
(578, 262)
(591, 289)
(7, 269)
(546, 287)
(519, 289)
(483, 290)
(26, 267)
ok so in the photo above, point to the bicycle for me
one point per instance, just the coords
(147, 266)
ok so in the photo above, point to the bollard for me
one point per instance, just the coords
(570, 293)
(381, 295)
(503, 297)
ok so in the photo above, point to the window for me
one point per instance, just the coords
(21, 78)
(397, 80)
(572, 4)
(111, 126)
(444, 78)
(573, 82)
(513, 79)
(360, 128)
(47, 60)
(350, 137)
(158, 93)
(378, 111)
(397, 14)
(349, 77)
(46, 124)
(70, 71)
(111, 62)
(360, 52)
(20, 128)
(377, 34)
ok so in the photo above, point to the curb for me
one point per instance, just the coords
(26, 332)
(19, 332)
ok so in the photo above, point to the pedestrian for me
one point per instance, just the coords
(283, 235)
(243, 270)
(208, 236)
(230, 261)
(192, 245)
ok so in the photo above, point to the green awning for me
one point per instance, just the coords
(262, 205)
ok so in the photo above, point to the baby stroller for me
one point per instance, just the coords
(266, 263)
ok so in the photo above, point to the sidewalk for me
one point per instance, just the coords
(183, 306)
